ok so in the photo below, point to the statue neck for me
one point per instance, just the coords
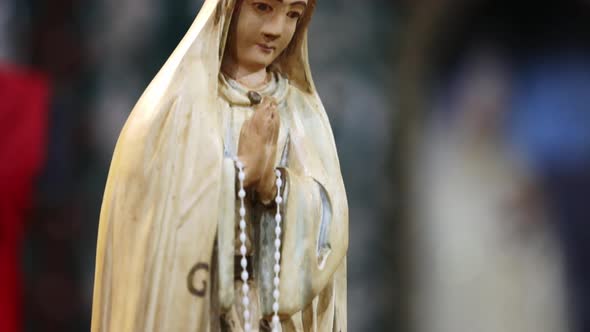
(250, 78)
(237, 94)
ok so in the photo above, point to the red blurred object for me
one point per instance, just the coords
(24, 105)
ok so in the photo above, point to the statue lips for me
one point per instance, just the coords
(266, 48)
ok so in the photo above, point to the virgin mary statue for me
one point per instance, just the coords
(237, 87)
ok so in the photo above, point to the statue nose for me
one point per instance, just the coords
(270, 36)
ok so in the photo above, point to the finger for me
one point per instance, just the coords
(244, 127)
(259, 120)
(269, 110)
(274, 119)
(264, 104)
(277, 126)
(270, 131)
(265, 108)
(267, 125)
(275, 136)
(271, 116)
(262, 121)
(263, 116)
(272, 109)
(269, 104)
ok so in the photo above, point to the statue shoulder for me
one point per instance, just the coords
(146, 131)
(154, 132)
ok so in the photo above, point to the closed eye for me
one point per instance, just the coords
(294, 15)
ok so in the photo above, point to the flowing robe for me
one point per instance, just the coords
(309, 225)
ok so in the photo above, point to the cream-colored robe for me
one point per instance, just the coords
(167, 222)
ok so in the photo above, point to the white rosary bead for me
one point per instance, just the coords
(244, 263)
(277, 266)
(243, 249)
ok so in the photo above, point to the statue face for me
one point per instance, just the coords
(261, 30)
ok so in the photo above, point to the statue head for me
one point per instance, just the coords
(261, 31)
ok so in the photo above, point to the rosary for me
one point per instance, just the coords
(255, 99)
(277, 256)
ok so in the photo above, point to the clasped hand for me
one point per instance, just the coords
(257, 149)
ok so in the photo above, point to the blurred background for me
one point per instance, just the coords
(463, 131)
